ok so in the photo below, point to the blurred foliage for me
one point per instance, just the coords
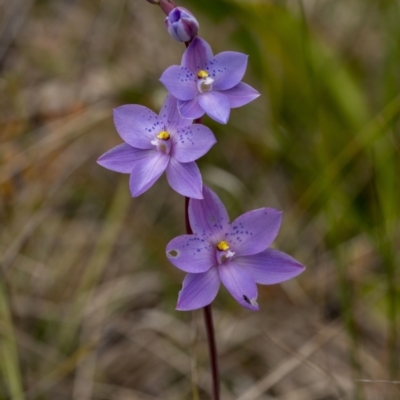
(87, 296)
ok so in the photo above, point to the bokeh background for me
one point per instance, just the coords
(87, 295)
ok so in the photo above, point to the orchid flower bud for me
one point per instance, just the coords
(181, 24)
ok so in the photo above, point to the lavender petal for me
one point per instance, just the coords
(137, 125)
(254, 231)
(208, 217)
(270, 266)
(170, 115)
(197, 55)
(120, 158)
(190, 108)
(241, 94)
(185, 178)
(227, 69)
(180, 82)
(198, 290)
(191, 253)
(146, 171)
(240, 284)
(192, 142)
(216, 105)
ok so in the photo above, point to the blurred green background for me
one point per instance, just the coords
(87, 295)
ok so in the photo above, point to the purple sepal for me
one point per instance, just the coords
(198, 290)
(270, 266)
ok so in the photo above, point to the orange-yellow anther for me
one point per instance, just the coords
(223, 246)
(202, 74)
(163, 135)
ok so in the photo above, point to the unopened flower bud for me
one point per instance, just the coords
(181, 24)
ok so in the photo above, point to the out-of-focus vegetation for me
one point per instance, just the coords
(87, 296)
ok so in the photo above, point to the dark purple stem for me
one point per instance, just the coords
(212, 347)
(187, 223)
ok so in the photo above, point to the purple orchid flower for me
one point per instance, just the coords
(235, 254)
(208, 84)
(155, 144)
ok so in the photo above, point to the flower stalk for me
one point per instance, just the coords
(212, 348)
(208, 321)
(167, 6)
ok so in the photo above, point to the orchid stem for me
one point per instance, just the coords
(208, 320)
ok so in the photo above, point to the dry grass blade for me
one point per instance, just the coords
(9, 353)
(62, 131)
(289, 364)
(36, 219)
(97, 263)
(14, 17)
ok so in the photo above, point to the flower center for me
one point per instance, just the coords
(162, 142)
(202, 74)
(223, 245)
(204, 82)
(224, 253)
(163, 135)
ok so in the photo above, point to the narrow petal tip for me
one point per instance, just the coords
(250, 304)
(197, 196)
(241, 95)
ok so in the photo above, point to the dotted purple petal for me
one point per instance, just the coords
(197, 55)
(227, 69)
(208, 217)
(180, 82)
(254, 231)
(192, 142)
(191, 253)
(137, 125)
